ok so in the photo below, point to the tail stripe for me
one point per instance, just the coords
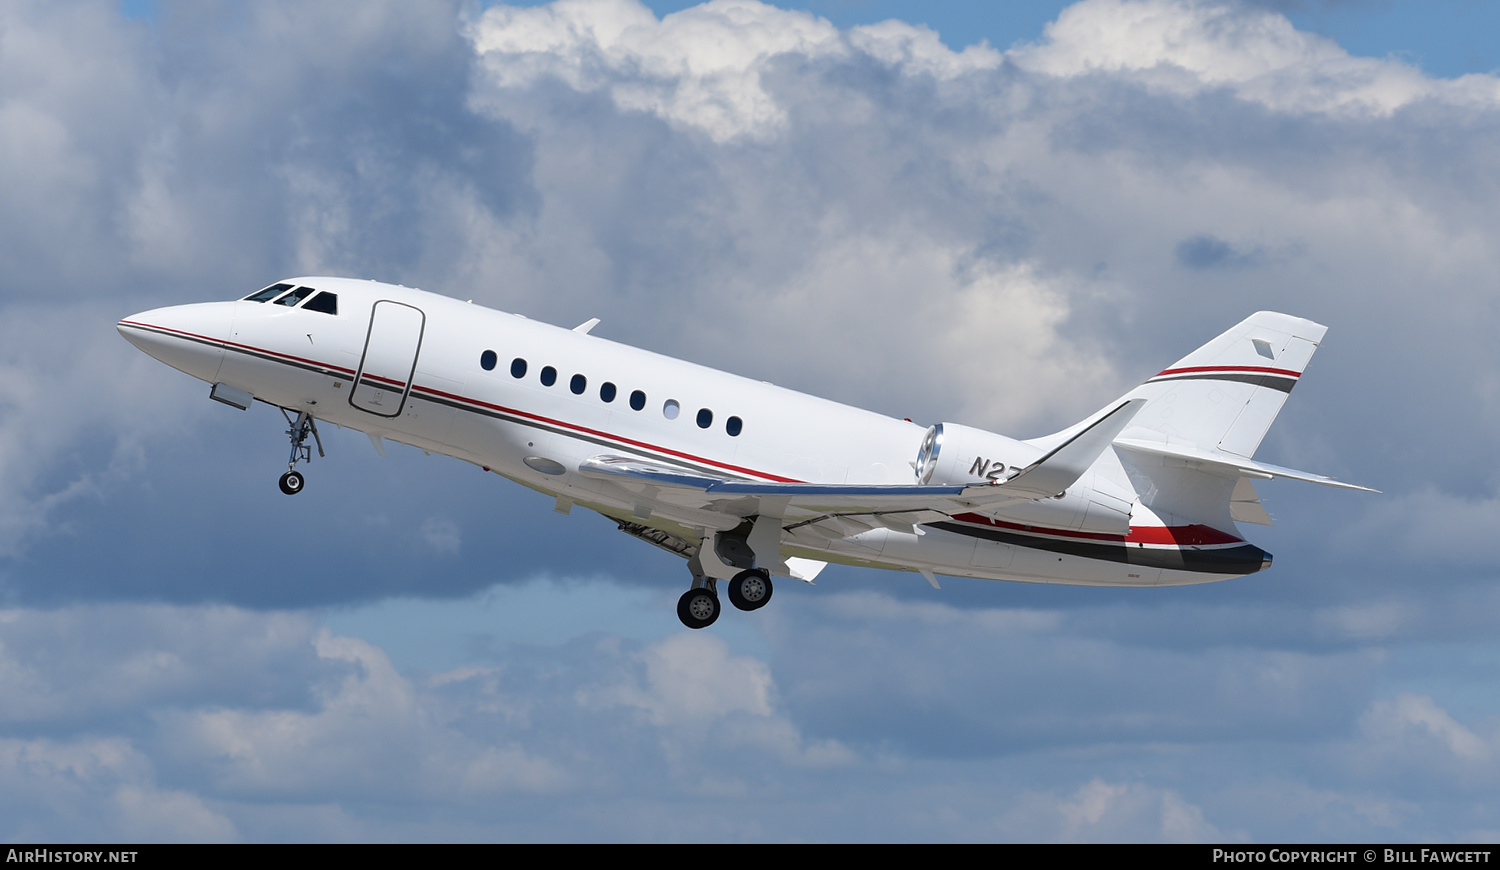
(1274, 379)
(1291, 373)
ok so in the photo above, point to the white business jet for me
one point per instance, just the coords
(748, 481)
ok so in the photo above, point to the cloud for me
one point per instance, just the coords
(1006, 239)
(1184, 46)
(1415, 716)
(1042, 679)
(77, 790)
(324, 752)
(1103, 812)
(700, 68)
(219, 722)
(442, 535)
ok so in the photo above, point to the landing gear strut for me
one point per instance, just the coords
(699, 606)
(297, 431)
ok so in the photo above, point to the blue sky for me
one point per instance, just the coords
(826, 196)
(1444, 37)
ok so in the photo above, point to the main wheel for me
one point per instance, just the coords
(291, 483)
(698, 608)
(750, 590)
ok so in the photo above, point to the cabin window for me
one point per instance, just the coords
(549, 376)
(295, 296)
(518, 368)
(670, 408)
(733, 426)
(578, 384)
(607, 392)
(487, 360)
(705, 418)
(328, 303)
(267, 294)
(637, 400)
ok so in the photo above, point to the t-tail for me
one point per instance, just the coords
(1188, 450)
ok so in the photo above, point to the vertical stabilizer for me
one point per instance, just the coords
(1187, 452)
(1223, 396)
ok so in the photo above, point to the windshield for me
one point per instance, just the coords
(268, 294)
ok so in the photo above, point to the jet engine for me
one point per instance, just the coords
(953, 454)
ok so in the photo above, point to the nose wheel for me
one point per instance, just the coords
(297, 431)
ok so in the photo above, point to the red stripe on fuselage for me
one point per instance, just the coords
(608, 435)
(499, 408)
(252, 348)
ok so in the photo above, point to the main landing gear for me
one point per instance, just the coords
(750, 590)
(298, 430)
(699, 606)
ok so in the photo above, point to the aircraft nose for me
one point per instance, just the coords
(189, 338)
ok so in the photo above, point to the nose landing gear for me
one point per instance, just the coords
(297, 431)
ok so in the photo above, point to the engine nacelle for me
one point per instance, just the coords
(959, 455)
(952, 454)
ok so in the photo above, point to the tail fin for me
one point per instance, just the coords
(1223, 396)
(1187, 452)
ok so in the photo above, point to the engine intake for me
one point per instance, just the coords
(952, 454)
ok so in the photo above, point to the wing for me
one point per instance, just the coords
(850, 508)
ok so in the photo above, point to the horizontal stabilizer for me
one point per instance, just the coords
(1228, 464)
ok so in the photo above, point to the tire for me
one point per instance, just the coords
(750, 590)
(698, 608)
(291, 483)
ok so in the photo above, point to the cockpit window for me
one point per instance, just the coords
(268, 294)
(328, 303)
(295, 296)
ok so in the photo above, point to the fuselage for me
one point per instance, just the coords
(531, 402)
